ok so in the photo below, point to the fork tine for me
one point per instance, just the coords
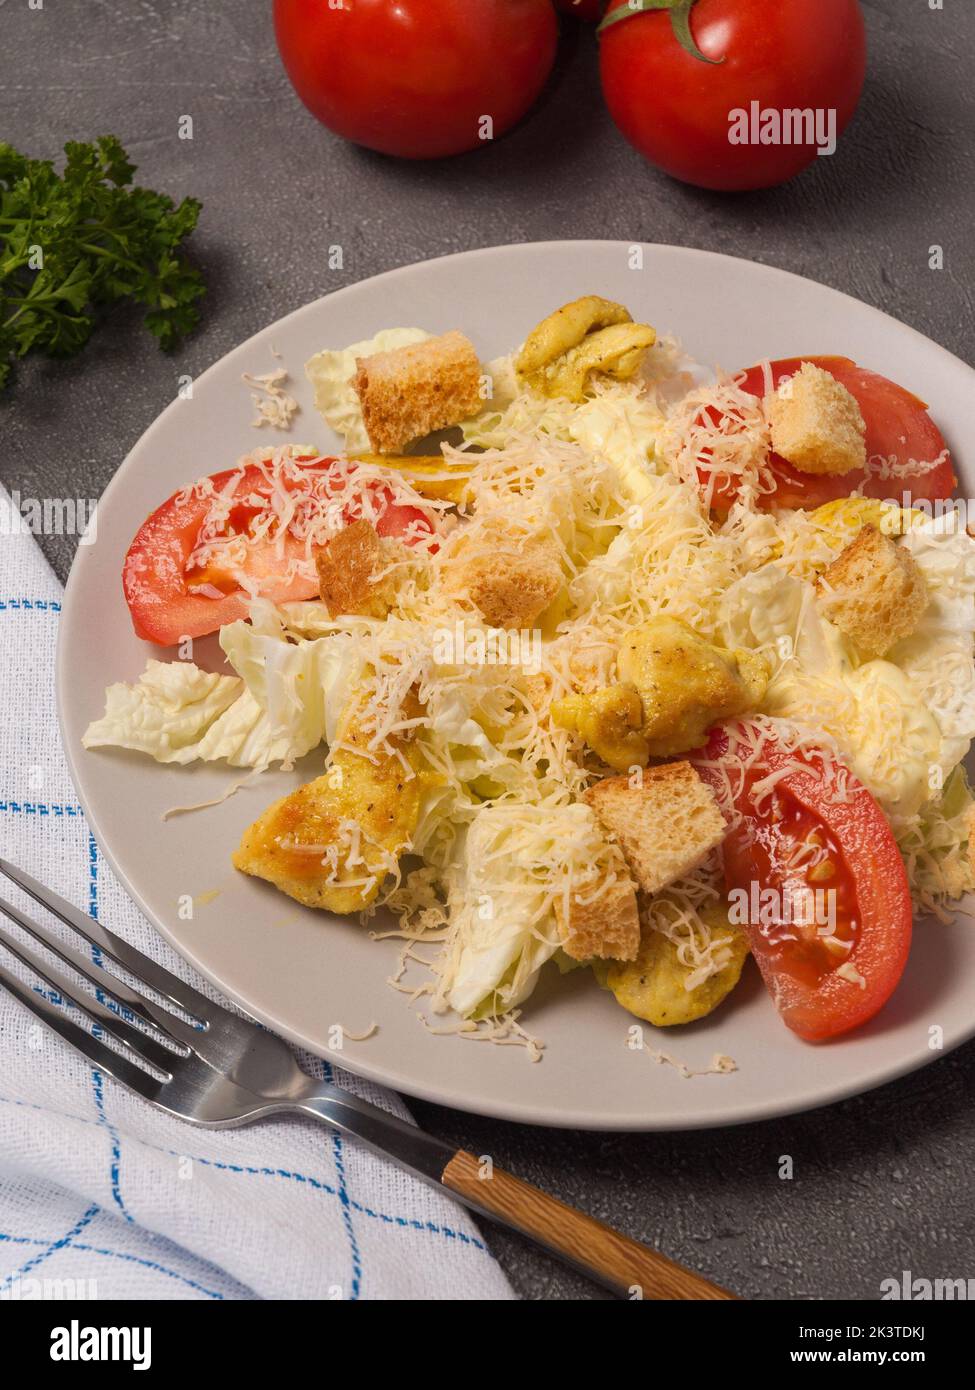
(96, 974)
(144, 1047)
(157, 977)
(97, 1053)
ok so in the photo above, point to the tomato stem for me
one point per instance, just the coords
(680, 21)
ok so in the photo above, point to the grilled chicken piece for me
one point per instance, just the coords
(609, 719)
(654, 986)
(686, 683)
(673, 685)
(331, 843)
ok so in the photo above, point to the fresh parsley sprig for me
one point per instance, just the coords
(74, 243)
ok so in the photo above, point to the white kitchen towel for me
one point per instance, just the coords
(100, 1195)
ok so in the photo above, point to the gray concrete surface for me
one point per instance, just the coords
(882, 1183)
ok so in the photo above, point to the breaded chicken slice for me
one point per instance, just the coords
(654, 986)
(331, 843)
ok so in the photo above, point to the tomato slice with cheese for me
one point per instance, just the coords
(251, 531)
(906, 451)
(812, 865)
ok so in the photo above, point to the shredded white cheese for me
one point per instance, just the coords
(274, 405)
(297, 502)
(718, 439)
(720, 1064)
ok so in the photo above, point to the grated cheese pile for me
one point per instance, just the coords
(717, 439)
(274, 405)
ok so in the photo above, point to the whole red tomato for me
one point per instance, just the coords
(417, 78)
(590, 10)
(679, 110)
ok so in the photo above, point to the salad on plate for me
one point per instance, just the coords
(613, 665)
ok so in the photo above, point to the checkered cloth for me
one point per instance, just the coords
(100, 1195)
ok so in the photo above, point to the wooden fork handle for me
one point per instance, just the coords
(630, 1269)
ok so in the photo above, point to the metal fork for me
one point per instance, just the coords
(221, 1071)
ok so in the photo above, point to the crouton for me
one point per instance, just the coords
(816, 423)
(408, 393)
(874, 592)
(605, 924)
(351, 567)
(666, 827)
(510, 574)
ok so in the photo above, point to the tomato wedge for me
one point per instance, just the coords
(196, 561)
(813, 866)
(899, 431)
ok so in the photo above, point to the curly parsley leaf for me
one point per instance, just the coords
(75, 242)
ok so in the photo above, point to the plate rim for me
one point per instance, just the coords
(829, 1093)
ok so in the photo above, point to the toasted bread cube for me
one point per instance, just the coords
(351, 567)
(607, 927)
(816, 423)
(509, 574)
(537, 689)
(666, 827)
(408, 393)
(874, 592)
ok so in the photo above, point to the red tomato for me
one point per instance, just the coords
(677, 109)
(173, 592)
(590, 10)
(820, 850)
(417, 77)
(899, 430)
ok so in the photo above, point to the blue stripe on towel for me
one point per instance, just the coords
(339, 1154)
(53, 1247)
(154, 1265)
(29, 605)
(97, 1080)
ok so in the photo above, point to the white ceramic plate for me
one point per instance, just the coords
(301, 972)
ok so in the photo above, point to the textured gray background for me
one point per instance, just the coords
(883, 1183)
